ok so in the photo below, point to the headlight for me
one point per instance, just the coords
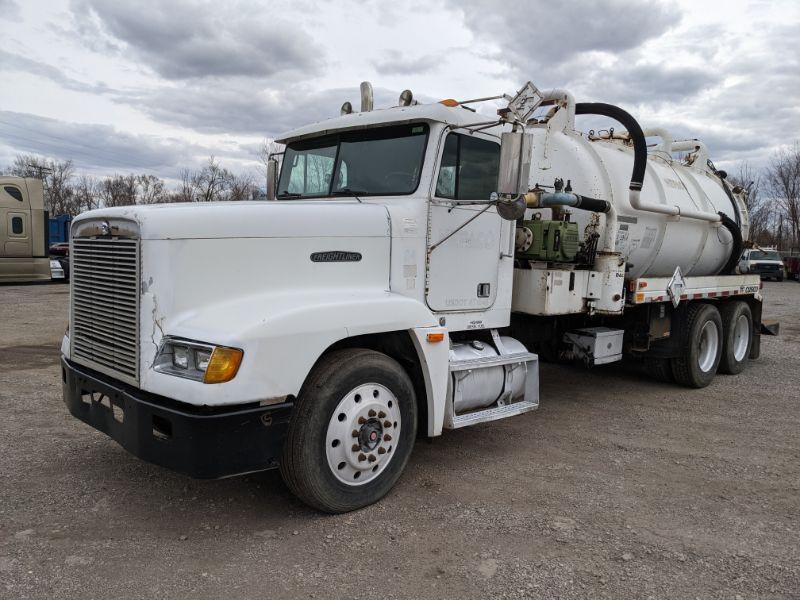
(198, 361)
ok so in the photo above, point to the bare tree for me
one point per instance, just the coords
(150, 189)
(56, 175)
(240, 187)
(186, 191)
(210, 182)
(269, 147)
(119, 190)
(783, 186)
(86, 193)
(750, 179)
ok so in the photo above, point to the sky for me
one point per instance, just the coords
(155, 86)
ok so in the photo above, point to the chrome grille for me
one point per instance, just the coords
(104, 330)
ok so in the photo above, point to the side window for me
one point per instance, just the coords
(469, 168)
(446, 184)
(14, 192)
(16, 225)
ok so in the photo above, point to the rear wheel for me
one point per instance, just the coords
(352, 431)
(737, 328)
(700, 354)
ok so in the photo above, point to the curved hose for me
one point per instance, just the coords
(738, 244)
(634, 130)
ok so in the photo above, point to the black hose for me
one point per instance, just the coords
(730, 197)
(634, 130)
(738, 244)
(593, 204)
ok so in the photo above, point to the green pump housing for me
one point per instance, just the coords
(553, 241)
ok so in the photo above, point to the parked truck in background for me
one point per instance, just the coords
(24, 227)
(765, 262)
(416, 264)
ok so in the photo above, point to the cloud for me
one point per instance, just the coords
(9, 10)
(182, 40)
(538, 33)
(99, 147)
(237, 107)
(398, 63)
(14, 62)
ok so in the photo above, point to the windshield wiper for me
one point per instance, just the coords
(289, 195)
(348, 192)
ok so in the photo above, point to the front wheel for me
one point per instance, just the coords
(352, 431)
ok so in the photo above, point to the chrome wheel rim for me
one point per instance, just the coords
(362, 434)
(741, 338)
(709, 347)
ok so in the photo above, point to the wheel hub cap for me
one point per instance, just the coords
(708, 347)
(370, 435)
(362, 434)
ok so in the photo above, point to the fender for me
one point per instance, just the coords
(284, 334)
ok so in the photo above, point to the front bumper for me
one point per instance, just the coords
(766, 270)
(199, 441)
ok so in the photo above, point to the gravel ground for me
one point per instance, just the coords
(617, 487)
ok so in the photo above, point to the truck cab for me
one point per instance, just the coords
(396, 286)
(23, 231)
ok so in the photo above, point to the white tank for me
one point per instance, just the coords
(653, 244)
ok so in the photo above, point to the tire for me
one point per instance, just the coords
(701, 352)
(350, 391)
(737, 331)
(659, 369)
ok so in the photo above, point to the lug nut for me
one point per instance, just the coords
(355, 448)
(381, 415)
(387, 423)
(372, 413)
(362, 457)
(355, 432)
(371, 458)
(387, 438)
(381, 450)
(361, 420)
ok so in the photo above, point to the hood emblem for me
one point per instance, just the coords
(105, 228)
(336, 256)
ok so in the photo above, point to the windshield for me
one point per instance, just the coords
(764, 255)
(381, 161)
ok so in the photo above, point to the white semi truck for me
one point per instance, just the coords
(415, 264)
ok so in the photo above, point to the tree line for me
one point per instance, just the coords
(773, 199)
(68, 192)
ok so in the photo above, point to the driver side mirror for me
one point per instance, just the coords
(515, 168)
(272, 179)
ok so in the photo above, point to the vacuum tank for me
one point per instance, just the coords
(652, 242)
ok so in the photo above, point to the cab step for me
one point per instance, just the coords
(492, 414)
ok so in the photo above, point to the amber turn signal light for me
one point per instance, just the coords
(223, 365)
(435, 337)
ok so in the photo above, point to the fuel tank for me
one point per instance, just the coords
(599, 166)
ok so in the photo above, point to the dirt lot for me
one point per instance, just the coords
(617, 487)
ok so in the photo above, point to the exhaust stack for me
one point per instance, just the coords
(367, 96)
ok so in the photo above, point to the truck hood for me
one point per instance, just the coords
(220, 220)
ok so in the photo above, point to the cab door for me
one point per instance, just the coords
(464, 240)
(17, 242)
